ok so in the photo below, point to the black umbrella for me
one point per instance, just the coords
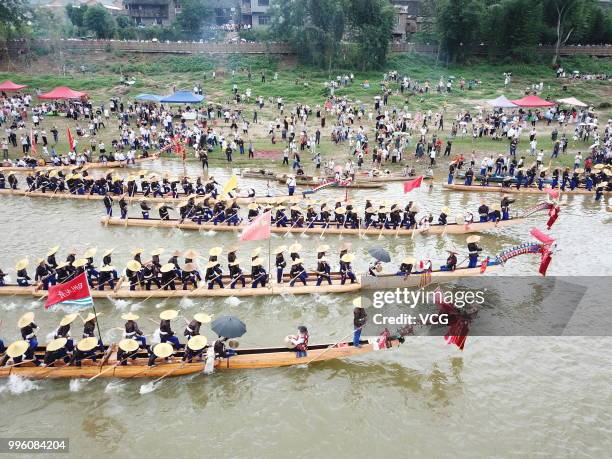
(228, 327)
(380, 254)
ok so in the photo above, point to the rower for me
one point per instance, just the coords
(495, 213)
(16, 352)
(160, 351)
(375, 268)
(56, 350)
(137, 254)
(346, 271)
(300, 342)
(106, 277)
(51, 261)
(89, 326)
(155, 253)
(406, 267)
(297, 272)
(131, 329)
(90, 268)
(106, 260)
(193, 327)
(235, 273)
(505, 206)
(28, 331)
(213, 274)
(483, 212)
(22, 274)
(473, 250)
(128, 348)
(451, 262)
(195, 348)
(293, 251)
(63, 331)
(174, 260)
(123, 207)
(132, 272)
(323, 269)
(369, 216)
(168, 276)
(253, 211)
(165, 328)
(149, 276)
(280, 218)
(469, 176)
(85, 349)
(145, 208)
(280, 262)
(164, 213)
(259, 276)
(297, 219)
(190, 275)
(44, 274)
(108, 204)
(2, 276)
(359, 321)
(443, 218)
(599, 190)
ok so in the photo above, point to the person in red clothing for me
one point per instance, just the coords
(300, 342)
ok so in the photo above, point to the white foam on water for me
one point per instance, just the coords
(76, 385)
(156, 338)
(233, 301)
(17, 385)
(9, 306)
(121, 304)
(187, 303)
(114, 386)
(50, 336)
(147, 388)
(305, 236)
(209, 233)
(289, 235)
(274, 235)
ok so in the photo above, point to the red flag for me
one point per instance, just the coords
(553, 215)
(540, 236)
(70, 139)
(258, 229)
(483, 266)
(412, 184)
(457, 333)
(74, 292)
(546, 259)
(32, 143)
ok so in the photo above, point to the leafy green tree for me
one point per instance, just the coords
(99, 21)
(194, 13)
(459, 25)
(372, 21)
(76, 14)
(565, 16)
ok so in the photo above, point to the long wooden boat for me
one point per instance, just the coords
(107, 365)
(522, 190)
(332, 228)
(364, 282)
(138, 197)
(304, 180)
(92, 165)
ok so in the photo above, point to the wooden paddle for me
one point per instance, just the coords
(113, 366)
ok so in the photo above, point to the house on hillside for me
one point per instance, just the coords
(152, 12)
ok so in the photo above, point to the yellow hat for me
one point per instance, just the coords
(89, 253)
(340, 210)
(157, 251)
(130, 316)
(68, 319)
(92, 316)
(134, 265)
(87, 344)
(297, 261)
(280, 249)
(168, 314)
(211, 264)
(215, 251)
(256, 262)
(252, 206)
(347, 257)
(255, 252)
(189, 268)
(17, 349)
(53, 250)
(56, 344)
(323, 248)
(163, 350)
(473, 239)
(191, 254)
(107, 268)
(202, 318)
(446, 210)
(108, 252)
(25, 319)
(197, 342)
(357, 302)
(409, 260)
(137, 251)
(295, 247)
(128, 345)
(79, 262)
(167, 268)
(22, 264)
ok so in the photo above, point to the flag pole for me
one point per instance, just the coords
(93, 306)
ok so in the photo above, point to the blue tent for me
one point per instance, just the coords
(149, 97)
(183, 97)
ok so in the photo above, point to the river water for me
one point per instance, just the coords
(510, 396)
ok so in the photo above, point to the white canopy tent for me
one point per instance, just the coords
(501, 102)
(572, 101)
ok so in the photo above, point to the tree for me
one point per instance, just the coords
(76, 14)
(13, 13)
(458, 24)
(99, 21)
(372, 21)
(193, 14)
(563, 12)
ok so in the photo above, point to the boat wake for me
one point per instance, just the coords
(114, 386)
(147, 388)
(233, 301)
(76, 385)
(17, 385)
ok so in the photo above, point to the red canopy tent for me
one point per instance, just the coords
(63, 92)
(532, 101)
(8, 85)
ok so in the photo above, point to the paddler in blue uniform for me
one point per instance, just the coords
(28, 331)
(473, 250)
(505, 206)
(22, 274)
(166, 334)
(346, 271)
(280, 263)
(259, 275)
